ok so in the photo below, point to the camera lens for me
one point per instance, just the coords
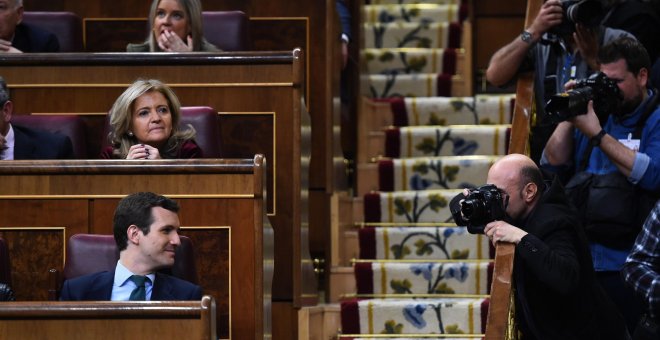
(568, 104)
(470, 208)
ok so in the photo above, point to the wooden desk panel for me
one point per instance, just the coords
(109, 320)
(222, 211)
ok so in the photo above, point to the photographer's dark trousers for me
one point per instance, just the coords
(623, 297)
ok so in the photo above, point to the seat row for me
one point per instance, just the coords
(228, 30)
(203, 118)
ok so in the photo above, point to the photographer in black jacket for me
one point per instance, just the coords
(556, 294)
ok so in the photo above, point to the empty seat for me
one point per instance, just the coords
(65, 25)
(205, 121)
(228, 30)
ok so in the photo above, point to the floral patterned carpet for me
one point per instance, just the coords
(418, 274)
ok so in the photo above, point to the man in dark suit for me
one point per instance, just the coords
(557, 295)
(16, 37)
(18, 142)
(146, 231)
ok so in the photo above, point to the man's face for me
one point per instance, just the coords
(158, 246)
(507, 183)
(10, 16)
(5, 117)
(632, 87)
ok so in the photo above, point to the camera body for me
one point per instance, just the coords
(480, 207)
(585, 12)
(598, 87)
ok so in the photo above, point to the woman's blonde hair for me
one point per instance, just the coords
(193, 9)
(121, 116)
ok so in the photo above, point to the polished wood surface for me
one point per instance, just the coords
(222, 212)
(268, 84)
(496, 23)
(109, 320)
(499, 322)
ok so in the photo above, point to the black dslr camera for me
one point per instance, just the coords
(585, 12)
(598, 87)
(480, 207)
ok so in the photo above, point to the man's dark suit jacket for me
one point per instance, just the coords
(28, 38)
(98, 286)
(39, 144)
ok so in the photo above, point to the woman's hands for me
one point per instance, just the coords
(170, 42)
(143, 151)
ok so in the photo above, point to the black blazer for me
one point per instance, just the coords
(39, 144)
(28, 38)
(98, 286)
(557, 295)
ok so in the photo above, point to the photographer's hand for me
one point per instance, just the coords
(506, 62)
(587, 123)
(501, 231)
(550, 15)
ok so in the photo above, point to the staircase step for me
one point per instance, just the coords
(454, 140)
(428, 206)
(421, 173)
(414, 316)
(397, 2)
(414, 13)
(422, 243)
(414, 60)
(480, 109)
(423, 34)
(413, 85)
(384, 278)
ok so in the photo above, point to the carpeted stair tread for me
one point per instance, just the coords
(413, 34)
(422, 243)
(412, 60)
(424, 278)
(425, 111)
(444, 172)
(414, 13)
(414, 316)
(427, 206)
(410, 85)
(453, 140)
(412, 2)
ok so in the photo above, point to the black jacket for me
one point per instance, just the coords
(28, 38)
(38, 144)
(557, 296)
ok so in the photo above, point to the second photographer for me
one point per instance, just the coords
(615, 167)
(561, 44)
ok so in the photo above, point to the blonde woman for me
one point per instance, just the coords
(176, 26)
(144, 123)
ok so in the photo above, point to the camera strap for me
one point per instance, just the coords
(637, 134)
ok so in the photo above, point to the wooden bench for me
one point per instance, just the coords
(109, 320)
(42, 203)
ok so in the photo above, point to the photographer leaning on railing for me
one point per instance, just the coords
(556, 294)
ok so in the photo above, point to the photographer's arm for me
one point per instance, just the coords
(619, 154)
(506, 61)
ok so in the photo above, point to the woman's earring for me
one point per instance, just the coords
(130, 133)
